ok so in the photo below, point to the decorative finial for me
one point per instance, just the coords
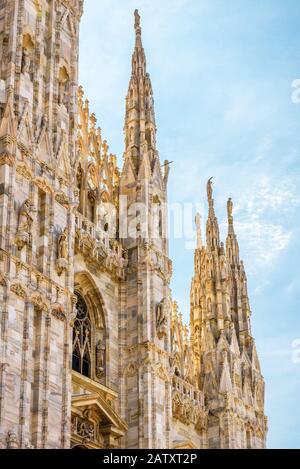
(199, 231)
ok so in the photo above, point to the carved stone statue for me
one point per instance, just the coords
(62, 261)
(100, 351)
(63, 245)
(229, 207)
(209, 189)
(25, 218)
(79, 176)
(161, 318)
(25, 224)
(26, 61)
(12, 441)
(137, 21)
(230, 211)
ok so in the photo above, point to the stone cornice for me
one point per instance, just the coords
(34, 271)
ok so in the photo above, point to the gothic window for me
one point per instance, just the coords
(82, 339)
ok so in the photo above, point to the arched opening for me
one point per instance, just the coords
(27, 54)
(90, 335)
(63, 87)
(82, 337)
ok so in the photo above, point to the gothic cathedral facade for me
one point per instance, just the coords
(93, 351)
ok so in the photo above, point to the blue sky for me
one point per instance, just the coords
(222, 74)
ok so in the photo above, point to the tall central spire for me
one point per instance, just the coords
(140, 128)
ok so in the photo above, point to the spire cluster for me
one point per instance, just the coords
(223, 348)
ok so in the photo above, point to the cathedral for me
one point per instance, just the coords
(93, 350)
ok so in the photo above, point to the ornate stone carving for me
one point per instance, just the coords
(12, 441)
(7, 158)
(43, 183)
(83, 428)
(24, 171)
(19, 290)
(39, 301)
(131, 370)
(58, 311)
(62, 199)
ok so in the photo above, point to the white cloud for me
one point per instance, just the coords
(261, 214)
(263, 241)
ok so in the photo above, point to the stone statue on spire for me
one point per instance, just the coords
(137, 17)
(230, 215)
(229, 208)
(209, 189)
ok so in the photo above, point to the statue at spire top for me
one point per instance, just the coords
(209, 189)
(137, 17)
(229, 208)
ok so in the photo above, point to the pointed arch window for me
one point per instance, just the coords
(82, 336)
